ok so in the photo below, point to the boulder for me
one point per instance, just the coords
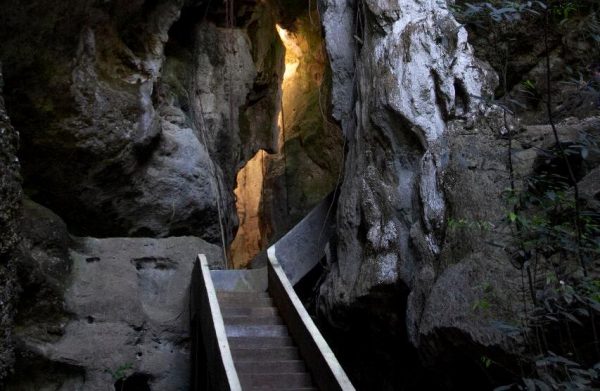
(425, 151)
(99, 311)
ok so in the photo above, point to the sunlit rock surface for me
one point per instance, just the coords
(250, 238)
(422, 148)
(305, 165)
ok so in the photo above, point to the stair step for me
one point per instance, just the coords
(246, 301)
(287, 389)
(230, 294)
(256, 331)
(265, 354)
(246, 311)
(277, 381)
(273, 367)
(268, 388)
(260, 342)
(242, 319)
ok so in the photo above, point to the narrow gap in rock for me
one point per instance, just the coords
(250, 238)
(276, 190)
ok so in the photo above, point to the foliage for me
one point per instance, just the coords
(554, 239)
(485, 302)
(454, 224)
(121, 372)
(497, 11)
(545, 219)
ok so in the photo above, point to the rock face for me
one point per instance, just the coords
(420, 154)
(306, 164)
(519, 49)
(250, 238)
(125, 116)
(10, 201)
(104, 309)
(135, 117)
(10, 179)
(311, 144)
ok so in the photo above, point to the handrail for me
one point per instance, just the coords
(300, 250)
(318, 356)
(219, 370)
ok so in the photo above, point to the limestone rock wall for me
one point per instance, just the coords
(124, 110)
(10, 203)
(94, 311)
(304, 167)
(311, 143)
(423, 149)
(126, 130)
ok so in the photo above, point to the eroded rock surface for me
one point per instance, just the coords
(103, 308)
(422, 150)
(130, 111)
(10, 203)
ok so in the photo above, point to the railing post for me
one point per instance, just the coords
(320, 359)
(211, 347)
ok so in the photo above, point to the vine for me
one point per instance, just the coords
(554, 238)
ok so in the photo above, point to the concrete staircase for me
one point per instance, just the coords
(249, 329)
(264, 354)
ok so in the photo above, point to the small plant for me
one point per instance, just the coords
(564, 10)
(554, 238)
(121, 373)
(484, 303)
(529, 88)
(486, 361)
(455, 224)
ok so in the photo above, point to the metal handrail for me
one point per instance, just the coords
(318, 356)
(215, 371)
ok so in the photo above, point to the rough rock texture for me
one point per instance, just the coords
(10, 202)
(113, 109)
(517, 48)
(250, 238)
(310, 143)
(44, 267)
(96, 310)
(423, 150)
(415, 72)
(136, 116)
(306, 164)
(10, 179)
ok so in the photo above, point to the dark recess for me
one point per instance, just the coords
(136, 382)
